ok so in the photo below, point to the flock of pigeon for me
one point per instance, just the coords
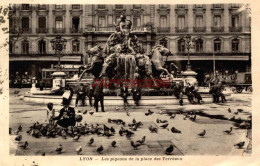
(38, 130)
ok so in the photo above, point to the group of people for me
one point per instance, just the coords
(217, 92)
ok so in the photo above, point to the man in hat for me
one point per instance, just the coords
(66, 117)
(98, 94)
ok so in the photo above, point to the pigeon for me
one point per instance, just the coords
(240, 144)
(86, 111)
(169, 113)
(10, 131)
(16, 132)
(25, 145)
(134, 121)
(233, 118)
(43, 154)
(91, 141)
(76, 138)
(100, 149)
(229, 110)
(169, 150)
(150, 112)
(113, 144)
(129, 134)
(121, 132)
(164, 126)
(240, 110)
(79, 111)
(174, 130)
(173, 116)
(18, 138)
(228, 131)
(91, 113)
(163, 121)
(146, 114)
(202, 133)
(127, 113)
(157, 120)
(235, 113)
(142, 140)
(106, 128)
(78, 150)
(112, 130)
(153, 129)
(135, 146)
(193, 118)
(59, 149)
(63, 134)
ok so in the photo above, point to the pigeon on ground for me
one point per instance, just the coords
(43, 154)
(100, 149)
(193, 118)
(240, 110)
(135, 146)
(63, 134)
(142, 140)
(106, 128)
(150, 112)
(134, 121)
(229, 110)
(112, 130)
(91, 113)
(113, 144)
(16, 132)
(18, 138)
(164, 126)
(86, 111)
(157, 120)
(202, 133)
(91, 141)
(232, 119)
(228, 131)
(129, 134)
(174, 130)
(235, 113)
(146, 114)
(173, 116)
(240, 144)
(59, 149)
(153, 129)
(163, 121)
(121, 132)
(25, 145)
(169, 150)
(127, 113)
(78, 150)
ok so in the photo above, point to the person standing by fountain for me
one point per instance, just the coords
(98, 94)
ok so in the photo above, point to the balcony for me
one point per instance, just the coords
(217, 29)
(42, 30)
(235, 29)
(58, 30)
(138, 29)
(74, 30)
(181, 30)
(25, 30)
(199, 29)
(163, 29)
(105, 29)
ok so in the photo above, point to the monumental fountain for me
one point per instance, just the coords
(124, 64)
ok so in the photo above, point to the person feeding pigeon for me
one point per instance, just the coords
(67, 115)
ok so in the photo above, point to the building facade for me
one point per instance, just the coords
(220, 32)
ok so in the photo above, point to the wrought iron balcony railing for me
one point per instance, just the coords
(235, 29)
(58, 30)
(181, 30)
(163, 29)
(217, 29)
(74, 30)
(199, 29)
(25, 30)
(42, 30)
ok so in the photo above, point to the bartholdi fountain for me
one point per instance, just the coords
(124, 64)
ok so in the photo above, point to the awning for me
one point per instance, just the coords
(199, 58)
(45, 58)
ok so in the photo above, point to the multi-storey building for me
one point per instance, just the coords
(221, 30)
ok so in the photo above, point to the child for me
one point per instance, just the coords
(52, 111)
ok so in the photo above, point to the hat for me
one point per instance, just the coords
(66, 102)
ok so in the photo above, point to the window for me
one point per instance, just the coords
(75, 6)
(181, 46)
(198, 21)
(42, 7)
(199, 6)
(110, 19)
(58, 22)
(199, 45)
(75, 46)
(42, 22)
(217, 45)
(101, 22)
(235, 21)
(75, 23)
(180, 6)
(181, 22)
(137, 22)
(25, 23)
(217, 21)
(101, 6)
(235, 44)
(163, 21)
(58, 6)
(25, 6)
(119, 6)
(216, 5)
(136, 6)
(42, 47)
(25, 47)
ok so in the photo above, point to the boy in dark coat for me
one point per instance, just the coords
(98, 94)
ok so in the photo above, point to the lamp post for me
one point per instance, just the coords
(58, 44)
(188, 73)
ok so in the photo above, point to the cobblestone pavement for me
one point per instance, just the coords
(213, 120)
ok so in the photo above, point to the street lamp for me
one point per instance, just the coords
(58, 44)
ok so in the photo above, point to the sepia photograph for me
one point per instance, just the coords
(130, 80)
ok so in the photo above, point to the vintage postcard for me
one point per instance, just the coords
(118, 83)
